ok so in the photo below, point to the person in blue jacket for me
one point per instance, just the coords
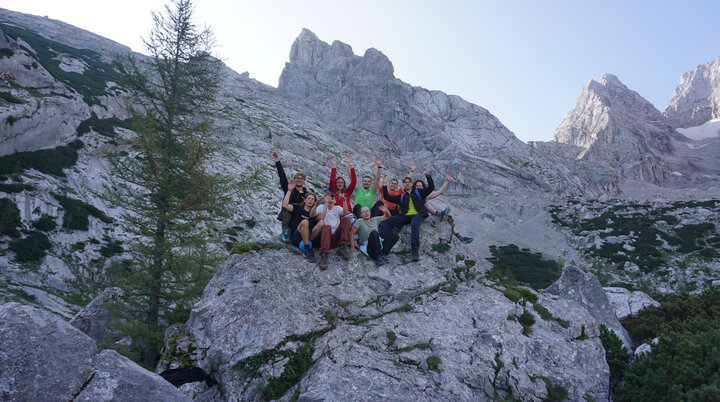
(412, 211)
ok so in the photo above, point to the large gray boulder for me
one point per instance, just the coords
(627, 303)
(96, 318)
(427, 330)
(43, 358)
(584, 288)
(117, 378)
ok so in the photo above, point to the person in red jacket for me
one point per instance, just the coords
(337, 185)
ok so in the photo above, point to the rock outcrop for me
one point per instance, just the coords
(627, 303)
(584, 288)
(697, 99)
(97, 317)
(46, 359)
(618, 129)
(270, 324)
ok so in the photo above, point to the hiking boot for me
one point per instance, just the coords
(445, 213)
(344, 251)
(415, 255)
(466, 240)
(323, 263)
(381, 260)
(309, 255)
(285, 236)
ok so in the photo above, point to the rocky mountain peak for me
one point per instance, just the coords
(697, 99)
(307, 48)
(615, 125)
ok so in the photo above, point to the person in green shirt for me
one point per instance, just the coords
(369, 238)
(365, 194)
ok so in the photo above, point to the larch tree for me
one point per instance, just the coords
(173, 202)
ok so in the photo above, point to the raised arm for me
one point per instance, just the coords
(413, 166)
(431, 183)
(353, 178)
(386, 213)
(280, 170)
(341, 198)
(332, 173)
(377, 172)
(441, 190)
(286, 200)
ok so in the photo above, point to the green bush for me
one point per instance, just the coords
(616, 355)
(434, 362)
(46, 223)
(50, 161)
(524, 267)
(15, 188)
(527, 320)
(9, 218)
(30, 248)
(441, 247)
(76, 213)
(685, 363)
(105, 127)
(5, 52)
(111, 248)
(90, 84)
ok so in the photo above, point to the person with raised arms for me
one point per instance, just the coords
(393, 189)
(296, 196)
(336, 231)
(337, 184)
(411, 204)
(365, 194)
(303, 227)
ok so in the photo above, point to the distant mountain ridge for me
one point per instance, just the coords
(697, 99)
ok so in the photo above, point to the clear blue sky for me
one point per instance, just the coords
(525, 61)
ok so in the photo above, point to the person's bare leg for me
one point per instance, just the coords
(316, 230)
(304, 228)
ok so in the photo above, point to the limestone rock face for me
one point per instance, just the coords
(697, 99)
(618, 128)
(43, 358)
(584, 288)
(96, 318)
(46, 359)
(117, 378)
(427, 330)
(437, 129)
(627, 303)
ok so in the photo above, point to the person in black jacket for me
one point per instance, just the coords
(297, 196)
(411, 205)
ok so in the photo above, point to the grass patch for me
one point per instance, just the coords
(527, 320)
(516, 266)
(246, 247)
(77, 212)
(433, 363)
(10, 98)
(391, 338)
(441, 247)
(555, 393)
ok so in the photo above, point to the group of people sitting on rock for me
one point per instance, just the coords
(369, 226)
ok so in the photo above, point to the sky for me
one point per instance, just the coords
(524, 61)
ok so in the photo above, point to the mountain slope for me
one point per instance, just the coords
(697, 99)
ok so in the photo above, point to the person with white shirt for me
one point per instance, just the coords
(336, 232)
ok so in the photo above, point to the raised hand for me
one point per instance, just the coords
(378, 160)
(384, 180)
(275, 155)
(341, 196)
(350, 162)
(448, 176)
(333, 161)
(413, 166)
(425, 171)
(291, 184)
(382, 208)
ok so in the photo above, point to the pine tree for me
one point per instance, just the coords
(173, 202)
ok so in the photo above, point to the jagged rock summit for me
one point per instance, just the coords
(697, 99)
(620, 129)
(436, 129)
